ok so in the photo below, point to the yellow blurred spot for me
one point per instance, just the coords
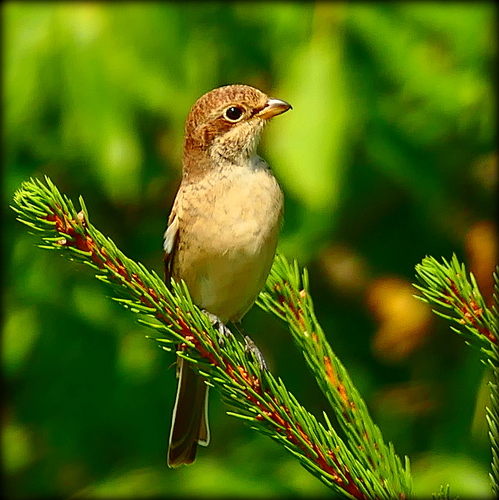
(403, 320)
(346, 270)
(86, 20)
(17, 450)
(406, 399)
(20, 333)
(482, 249)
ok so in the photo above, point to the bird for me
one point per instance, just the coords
(222, 232)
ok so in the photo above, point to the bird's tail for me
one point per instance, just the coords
(190, 416)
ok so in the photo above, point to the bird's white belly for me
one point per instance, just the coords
(232, 244)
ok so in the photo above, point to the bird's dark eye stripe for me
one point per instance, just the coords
(233, 113)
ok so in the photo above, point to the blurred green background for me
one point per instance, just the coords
(388, 155)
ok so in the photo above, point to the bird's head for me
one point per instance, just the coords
(226, 123)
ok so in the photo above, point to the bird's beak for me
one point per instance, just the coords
(273, 107)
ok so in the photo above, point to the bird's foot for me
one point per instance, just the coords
(250, 347)
(257, 354)
(223, 331)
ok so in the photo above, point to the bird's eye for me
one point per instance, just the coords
(233, 114)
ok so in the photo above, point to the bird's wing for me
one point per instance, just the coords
(170, 244)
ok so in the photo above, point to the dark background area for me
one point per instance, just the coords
(388, 155)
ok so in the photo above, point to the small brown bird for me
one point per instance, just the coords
(222, 231)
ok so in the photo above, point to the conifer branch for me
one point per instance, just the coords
(286, 294)
(360, 466)
(448, 286)
(493, 423)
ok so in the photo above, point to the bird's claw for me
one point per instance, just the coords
(223, 331)
(253, 349)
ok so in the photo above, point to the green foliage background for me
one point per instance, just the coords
(387, 156)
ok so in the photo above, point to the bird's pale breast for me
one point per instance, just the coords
(229, 222)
